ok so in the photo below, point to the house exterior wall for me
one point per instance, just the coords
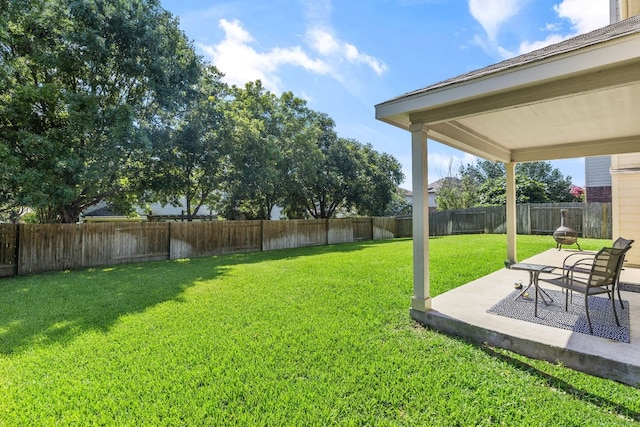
(156, 209)
(598, 171)
(169, 210)
(598, 179)
(433, 205)
(599, 194)
(623, 9)
(625, 178)
(625, 168)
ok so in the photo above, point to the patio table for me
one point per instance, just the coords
(534, 272)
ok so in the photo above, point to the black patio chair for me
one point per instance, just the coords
(578, 266)
(604, 269)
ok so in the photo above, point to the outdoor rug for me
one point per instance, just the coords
(575, 319)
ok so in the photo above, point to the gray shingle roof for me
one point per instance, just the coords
(437, 185)
(601, 35)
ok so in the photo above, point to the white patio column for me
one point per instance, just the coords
(512, 225)
(421, 300)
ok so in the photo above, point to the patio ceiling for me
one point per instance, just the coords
(577, 98)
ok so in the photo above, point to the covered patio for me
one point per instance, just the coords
(577, 98)
(463, 312)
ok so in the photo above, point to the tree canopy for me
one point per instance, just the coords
(189, 155)
(253, 183)
(484, 184)
(107, 101)
(81, 82)
(285, 154)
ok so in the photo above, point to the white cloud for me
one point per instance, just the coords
(528, 46)
(442, 165)
(552, 27)
(234, 31)
(241, 63)
(492, 13)
(323, 42)
(353, 55)
(327, 45)
(584, 15)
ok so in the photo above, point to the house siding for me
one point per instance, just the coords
(598, 179)
(597, 171)
(625, 173)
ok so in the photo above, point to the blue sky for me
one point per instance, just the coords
(346, 56)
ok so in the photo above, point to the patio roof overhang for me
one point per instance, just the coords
(578, 98)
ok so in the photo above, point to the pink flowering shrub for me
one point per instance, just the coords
(577, 192)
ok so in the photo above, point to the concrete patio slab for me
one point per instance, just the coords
(463, 312)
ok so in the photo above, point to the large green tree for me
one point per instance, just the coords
(557, 186)
(343, 175)
(285, 154)
(190, 156)
(337, 178)
(300, 151)
(81, 83)
(484, 183)
(457, 193)
(380, 175)
(273, 148)
(253, 182)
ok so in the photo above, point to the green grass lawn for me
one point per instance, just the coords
(305, 337)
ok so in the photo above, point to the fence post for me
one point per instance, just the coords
(371, 222)
(17, 250)
(169, 238)
(19, 231)
(485, 217)
(326, 229)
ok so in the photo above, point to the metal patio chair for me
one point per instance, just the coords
(604, 269)
(579, 266)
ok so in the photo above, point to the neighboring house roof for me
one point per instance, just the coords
(435, 186)
(576, 98)
(405, 192)
(103, 211)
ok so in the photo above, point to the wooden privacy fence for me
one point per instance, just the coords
(8, 249)
(31, 248)
(590, 220)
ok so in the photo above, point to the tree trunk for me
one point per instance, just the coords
(70, 214)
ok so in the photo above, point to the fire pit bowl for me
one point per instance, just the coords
(565, 235)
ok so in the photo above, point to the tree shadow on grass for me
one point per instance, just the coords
(52, 308)
(560, 384)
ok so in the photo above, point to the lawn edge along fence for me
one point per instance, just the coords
(36, 248)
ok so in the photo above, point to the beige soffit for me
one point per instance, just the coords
(577, 98)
